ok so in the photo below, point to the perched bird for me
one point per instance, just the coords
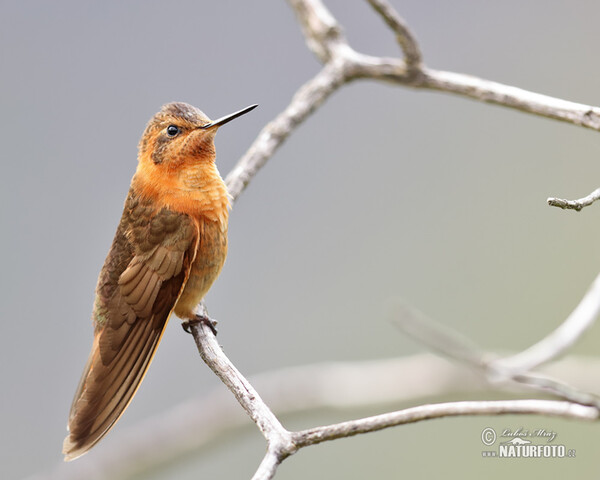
(169, 248)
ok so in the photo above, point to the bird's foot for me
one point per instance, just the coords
(199, 318)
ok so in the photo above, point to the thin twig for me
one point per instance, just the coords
(557, 388)
(322, 31)
(578, 204)
(306, 100)
(313, 436)
(404, 36)
(437, 337)
(268, 467)
(244, 392)
(512, 97)
(515, 368)
(561, 339)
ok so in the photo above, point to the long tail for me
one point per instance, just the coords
(107, 386)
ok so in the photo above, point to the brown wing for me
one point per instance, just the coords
(143, 275)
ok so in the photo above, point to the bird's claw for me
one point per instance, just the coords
(209, 322)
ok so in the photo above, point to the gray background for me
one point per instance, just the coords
(385, 192)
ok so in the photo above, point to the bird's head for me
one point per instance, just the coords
(180, 134)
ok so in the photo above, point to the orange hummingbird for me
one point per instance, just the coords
(169, 248)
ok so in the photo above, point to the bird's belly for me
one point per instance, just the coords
(210, 257)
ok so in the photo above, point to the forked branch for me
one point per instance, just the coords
(281, 443)
(342, 64)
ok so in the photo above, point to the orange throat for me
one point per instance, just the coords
(197, 190)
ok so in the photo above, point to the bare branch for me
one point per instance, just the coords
(561, 339)
(404, 37)
(545, 383)
(575, 204)
(342, 65)
(244, 392)
(436, 336)
(512, 97)
(516, 368)
(192, 425)
(322, 31)
(279, 440)
(268, 467)
(306, 100)
(554, 408)
(282, 443)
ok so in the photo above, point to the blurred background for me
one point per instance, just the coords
(386, 192)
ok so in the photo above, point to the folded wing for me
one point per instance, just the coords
(142, 278)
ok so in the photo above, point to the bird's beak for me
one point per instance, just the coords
(228, 118)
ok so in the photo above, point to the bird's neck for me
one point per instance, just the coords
(197, 190)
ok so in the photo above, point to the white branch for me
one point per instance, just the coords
(268, 467)
(282, 443)
(516, 368)
(561, 339)
(306, 100)
(404, 37)
(244, 392)
(186, 428)
(578, 204)
(513, 97)
(342, 64)
(553, 408)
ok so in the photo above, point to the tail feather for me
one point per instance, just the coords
(105, 391)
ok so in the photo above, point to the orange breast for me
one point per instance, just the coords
(197, 190)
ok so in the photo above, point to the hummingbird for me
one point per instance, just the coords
(168, 250)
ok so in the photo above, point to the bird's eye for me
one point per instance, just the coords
(173, 130)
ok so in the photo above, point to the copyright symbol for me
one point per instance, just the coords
(488, 436)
